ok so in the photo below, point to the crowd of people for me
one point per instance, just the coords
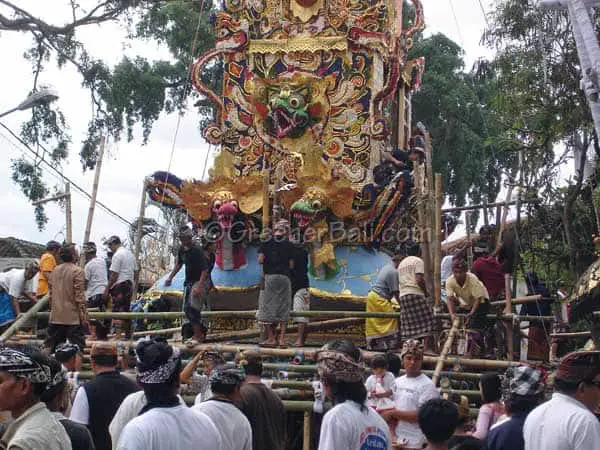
(237, 410)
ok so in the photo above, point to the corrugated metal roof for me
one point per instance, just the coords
(11, 247)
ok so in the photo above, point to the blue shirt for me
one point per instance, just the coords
(508, 435)
(7, 313)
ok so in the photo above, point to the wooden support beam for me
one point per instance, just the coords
(445, 350)
(17, 324)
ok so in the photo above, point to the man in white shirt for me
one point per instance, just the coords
(411, 391)
(96, 281)
(165, 424)
(122, 274)
(18, 281)
(233, 426)
(567, 421)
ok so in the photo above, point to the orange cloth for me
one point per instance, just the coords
(47, 264)
(67, 295)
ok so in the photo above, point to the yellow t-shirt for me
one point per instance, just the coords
(469, 292)
(47, 264)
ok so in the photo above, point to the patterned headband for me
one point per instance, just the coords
(59, 377)
(338, 366)
(212, 356)
(67, 348)
(227, 375)
(21, 365)
(162, 373)
(412, 347)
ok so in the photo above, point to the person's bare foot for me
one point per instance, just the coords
(282, 343)
(268, 343)
(298, 344)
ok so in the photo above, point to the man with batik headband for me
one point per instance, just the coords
(411, 391)
(199, 382)
(567, 421)
(57, 397)
(24, 376)
(70, 357)
(165, 424)
(233, 426)
(350, 424)
(524, 390)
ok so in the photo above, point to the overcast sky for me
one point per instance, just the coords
(126, 164)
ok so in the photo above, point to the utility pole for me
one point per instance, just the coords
(90, 217)
(66, 196)
(588, 48)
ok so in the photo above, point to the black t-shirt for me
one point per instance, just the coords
(80, 436)
(299, 274)
(195, 262)
(278, 253)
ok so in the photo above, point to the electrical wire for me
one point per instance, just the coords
(63, 178)
(185, 94)
(483, 13)
(460, 36)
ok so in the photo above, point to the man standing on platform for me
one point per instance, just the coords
(66, 298)
(120, 283)
(196, 285)
(47, 265)
(489, 271)
(97, 401)
(416, 311)
(300, 293)
(96, 280)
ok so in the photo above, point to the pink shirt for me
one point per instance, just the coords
(488, 416)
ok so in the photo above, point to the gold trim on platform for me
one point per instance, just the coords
(336, 295)
(298, 44)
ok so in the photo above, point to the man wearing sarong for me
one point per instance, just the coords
(416, 311)
(276, 256)
(197, 285)
(382, 333)
(120, 282)
(467, 294)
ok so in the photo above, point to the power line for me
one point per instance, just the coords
(65, 178)
(483, 13)
(462, 41)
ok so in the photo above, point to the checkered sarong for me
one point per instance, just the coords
(416, 317)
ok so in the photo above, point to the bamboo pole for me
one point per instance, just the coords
(521, 300)
(17, 324)
(138, 237)
(576, 334)
(68, 216)
(470, 245)
(447, 345)
(306, 438)
(497, 205)
(90, 216)
(437, 260)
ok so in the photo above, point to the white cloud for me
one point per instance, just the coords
(126, 164)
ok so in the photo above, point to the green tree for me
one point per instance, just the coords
(453, 104)
(134, 91)
(543, 113)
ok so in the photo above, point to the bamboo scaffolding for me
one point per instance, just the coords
(438, 243)
(489, 205)
(575, 334)
(251, 314)
(522, 300)
(17, 324)
(306, 436)
(447, 345)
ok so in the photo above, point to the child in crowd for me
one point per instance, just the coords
(492, 408)
(380, 385)
(437, 419)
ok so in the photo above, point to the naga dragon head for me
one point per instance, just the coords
(310, 207)
(224, 208)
